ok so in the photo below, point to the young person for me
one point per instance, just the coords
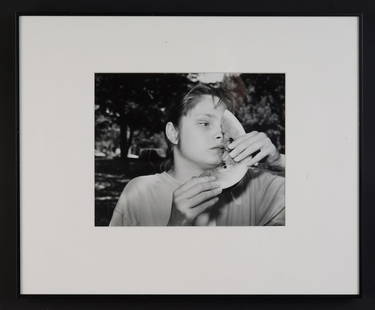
(182, 196)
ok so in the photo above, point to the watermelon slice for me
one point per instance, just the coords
(229, 172)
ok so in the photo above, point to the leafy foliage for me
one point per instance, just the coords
(130, 108)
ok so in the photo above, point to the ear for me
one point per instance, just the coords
(171, 133)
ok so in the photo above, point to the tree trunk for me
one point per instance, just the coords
(130, 137)
(124, 137)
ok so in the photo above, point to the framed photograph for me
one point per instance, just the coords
(189, 155)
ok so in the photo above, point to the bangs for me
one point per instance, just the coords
(190, 100)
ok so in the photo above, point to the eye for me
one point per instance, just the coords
(204, 123)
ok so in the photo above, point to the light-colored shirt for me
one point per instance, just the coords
(257, 200)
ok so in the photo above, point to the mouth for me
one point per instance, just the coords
(218, 147)
(219, 150)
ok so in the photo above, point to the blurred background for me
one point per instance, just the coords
(130, 116)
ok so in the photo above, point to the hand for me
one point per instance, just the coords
(247, 144)
(192, 198)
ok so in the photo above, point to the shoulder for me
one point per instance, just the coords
(261, 178)
(268, 190)
(261, 184)
(143, 183)
(144, 180)
(266, 177)
(137, 190)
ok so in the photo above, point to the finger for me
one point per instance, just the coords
(242, 138)
(260, 136)
(245, 145)
(199, 188)
(249, 150)
(262, 142)
(193, 181)
(202, 197)
(240, 147)
(204, 206)
(258, 157)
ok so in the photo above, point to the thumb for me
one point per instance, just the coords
(202, 219)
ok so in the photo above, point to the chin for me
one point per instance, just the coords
(208, 162)
(212, 164)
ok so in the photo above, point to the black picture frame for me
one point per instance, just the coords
(10, 297)
(20, 14)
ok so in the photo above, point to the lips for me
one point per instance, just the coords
(219, 147)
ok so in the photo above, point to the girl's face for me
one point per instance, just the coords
(200, 136)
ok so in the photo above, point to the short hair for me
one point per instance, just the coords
(182, 105)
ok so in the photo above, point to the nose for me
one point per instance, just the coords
(219, 135)
(218, 132)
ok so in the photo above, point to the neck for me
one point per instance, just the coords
(184, 169)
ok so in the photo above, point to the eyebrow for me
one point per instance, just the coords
(207, 114)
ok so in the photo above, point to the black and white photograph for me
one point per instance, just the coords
(190, 149)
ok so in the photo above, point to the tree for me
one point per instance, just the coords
(264, 109)
(136, 101)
